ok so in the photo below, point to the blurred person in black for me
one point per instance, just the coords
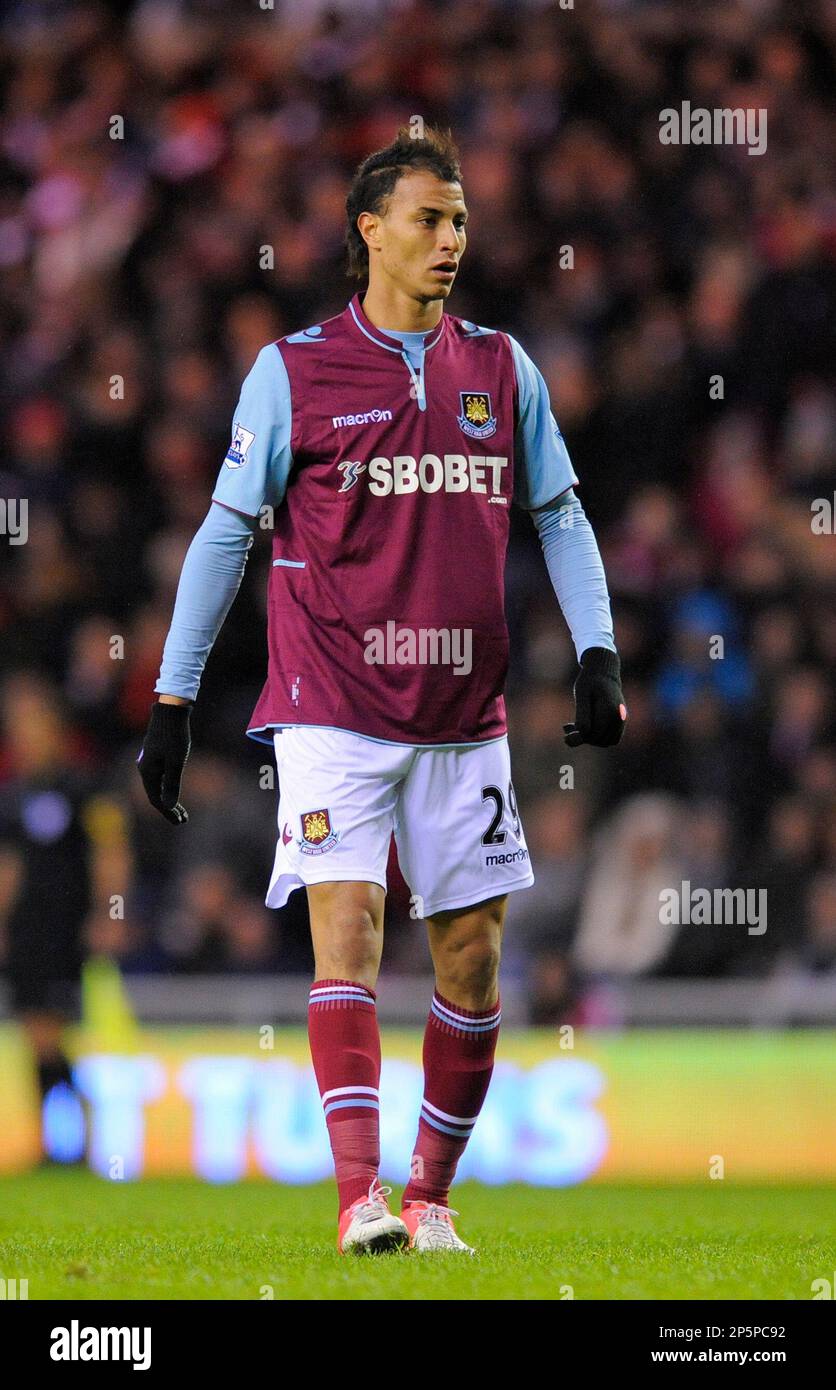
(63, 854)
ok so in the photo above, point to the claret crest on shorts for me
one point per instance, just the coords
(317, 834)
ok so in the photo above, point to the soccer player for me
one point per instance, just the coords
(391, 440)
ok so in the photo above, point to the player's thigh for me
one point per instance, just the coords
(458, 831)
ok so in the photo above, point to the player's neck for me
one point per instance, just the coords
(387, 307)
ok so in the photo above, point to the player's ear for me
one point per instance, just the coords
(368, 225)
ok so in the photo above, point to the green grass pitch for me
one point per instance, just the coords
(75, 1236)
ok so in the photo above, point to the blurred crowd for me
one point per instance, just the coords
(174, 177)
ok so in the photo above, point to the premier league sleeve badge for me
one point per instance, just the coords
(237, 453)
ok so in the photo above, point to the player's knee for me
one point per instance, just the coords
(348, 946)
(474, 968)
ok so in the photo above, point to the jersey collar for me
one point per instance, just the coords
(369, 330)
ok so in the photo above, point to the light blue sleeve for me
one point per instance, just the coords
(209, 581)
(576, 571)
(542, 467)
(259, 460)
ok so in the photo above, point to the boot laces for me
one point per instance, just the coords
(437, 1220)
(374, 1205)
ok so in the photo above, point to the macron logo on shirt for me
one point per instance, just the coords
(370, 417)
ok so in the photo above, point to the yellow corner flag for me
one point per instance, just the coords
(107, 1014)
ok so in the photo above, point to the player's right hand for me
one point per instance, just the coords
(162, 759)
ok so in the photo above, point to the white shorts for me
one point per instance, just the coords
(452, 810)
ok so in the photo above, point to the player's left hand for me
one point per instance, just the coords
(600, 711)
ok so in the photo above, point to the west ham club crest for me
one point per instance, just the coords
(317, 835)
(477, 419)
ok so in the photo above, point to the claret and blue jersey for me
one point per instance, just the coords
(391, 462)
(348, 398)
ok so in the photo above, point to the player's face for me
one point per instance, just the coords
(421, 237)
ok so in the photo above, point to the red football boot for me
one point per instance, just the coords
(368, 1227)
(431, 1228)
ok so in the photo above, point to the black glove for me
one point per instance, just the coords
(163, 757)
(600, 711)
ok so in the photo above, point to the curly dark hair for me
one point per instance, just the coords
(376, 177)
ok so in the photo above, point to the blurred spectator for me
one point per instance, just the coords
(819, 952)
(701, 626)
(216, 928)
(706, 861)
(634, 859)
(547, 913)
(783, 866)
